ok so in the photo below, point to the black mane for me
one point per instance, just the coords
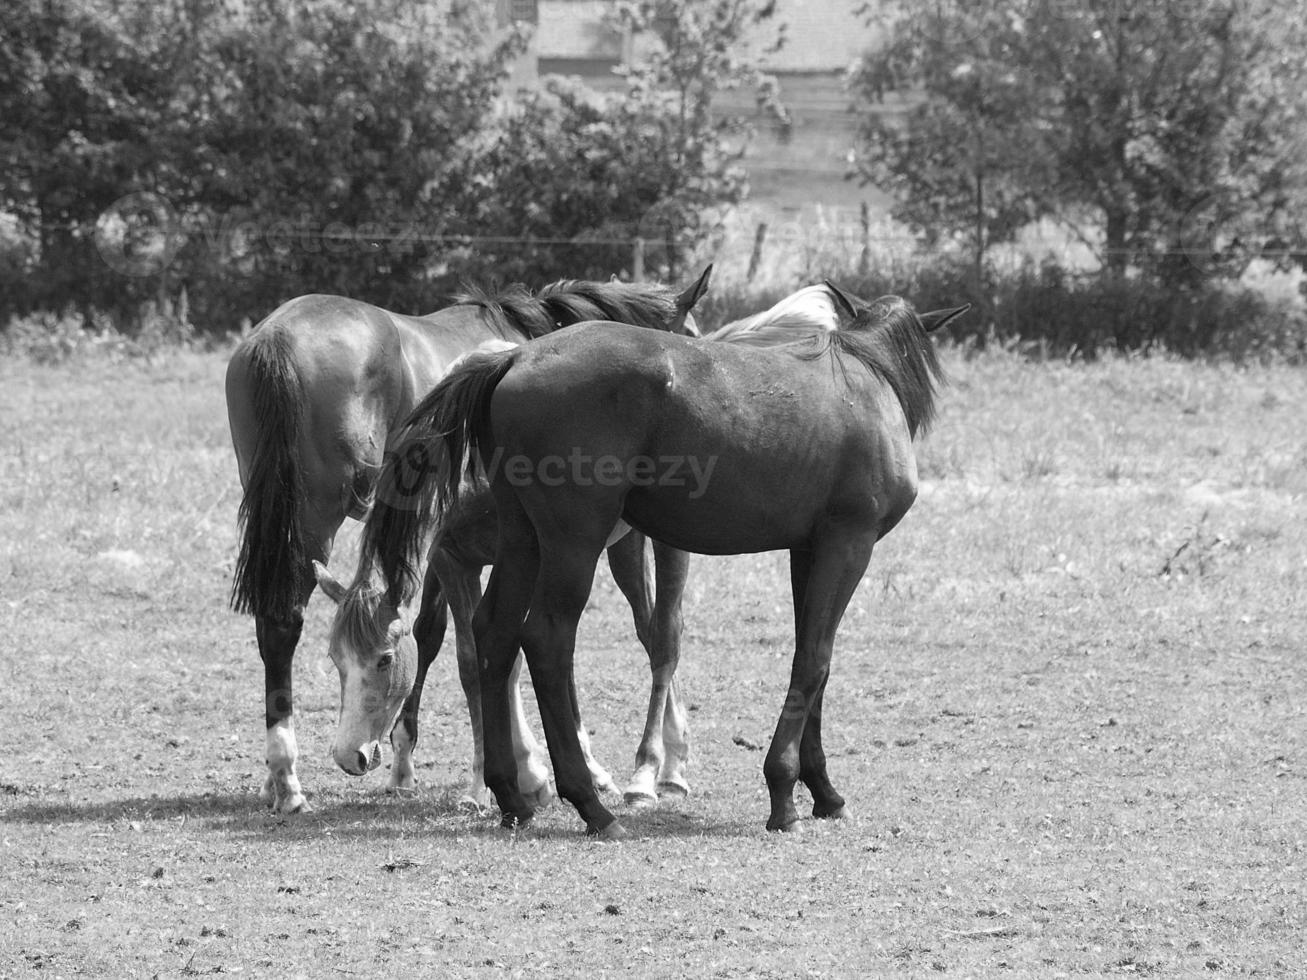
(887, 337)
(515, 309)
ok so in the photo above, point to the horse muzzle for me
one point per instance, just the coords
(357, 762)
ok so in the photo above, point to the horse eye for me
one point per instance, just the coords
(384, 662)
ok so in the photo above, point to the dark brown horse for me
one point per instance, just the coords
(707, 447)
(314, 397)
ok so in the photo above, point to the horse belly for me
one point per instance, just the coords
(721, 498)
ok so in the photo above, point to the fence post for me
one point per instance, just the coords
(637, 261)
(756, 257)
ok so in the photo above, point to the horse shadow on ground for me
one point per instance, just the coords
(378, 816)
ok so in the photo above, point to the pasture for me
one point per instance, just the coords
(1068, 709)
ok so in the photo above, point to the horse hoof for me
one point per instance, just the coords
(515, 822)
(293, 806)
(789, 825)
(603, 783)
(678, 790)
(539, 797)
(614, 831)
(839, 813)
(395, 789)
(639, 799)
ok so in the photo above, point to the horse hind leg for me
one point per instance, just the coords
(549, 641)
(277, 641)
(497, 628)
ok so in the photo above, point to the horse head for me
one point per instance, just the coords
(371, 643)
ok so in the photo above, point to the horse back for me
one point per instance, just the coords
(738, 449)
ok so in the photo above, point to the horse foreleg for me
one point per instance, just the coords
(599, 776)
(532, 771)
(672, 568)
(822, 581)
(661, 756)
(827, 804)
(429, 633)
(461, 586)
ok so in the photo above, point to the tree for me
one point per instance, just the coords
(1173, 121)
(959, 163)
(80, 104)
(706, 48)
(1149, 127)
(657, 159)
(320, 145)
(337, 154)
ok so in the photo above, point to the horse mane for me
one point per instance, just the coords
(888, 338)
(515, 309)
(356, 619)
(809, 311)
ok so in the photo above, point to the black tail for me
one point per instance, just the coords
(272, 559)
(439, 442)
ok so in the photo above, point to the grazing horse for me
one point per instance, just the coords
(377, 666)
(707, 447)
(314, 396)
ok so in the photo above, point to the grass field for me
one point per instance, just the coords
(1068, 709)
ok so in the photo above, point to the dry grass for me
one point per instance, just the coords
(1066, 708)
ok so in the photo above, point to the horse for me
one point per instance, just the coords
(314, 397)
(711, 448)
(364, 638)
(380, 672)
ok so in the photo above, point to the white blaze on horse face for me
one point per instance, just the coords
(373, 687)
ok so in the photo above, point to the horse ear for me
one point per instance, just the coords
(844, 304)
(938, 318)
(331, 588)
(691, 294)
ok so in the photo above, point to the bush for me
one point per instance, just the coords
(1051, 312)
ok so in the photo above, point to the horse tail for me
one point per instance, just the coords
(273, 556)
(439, 443)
